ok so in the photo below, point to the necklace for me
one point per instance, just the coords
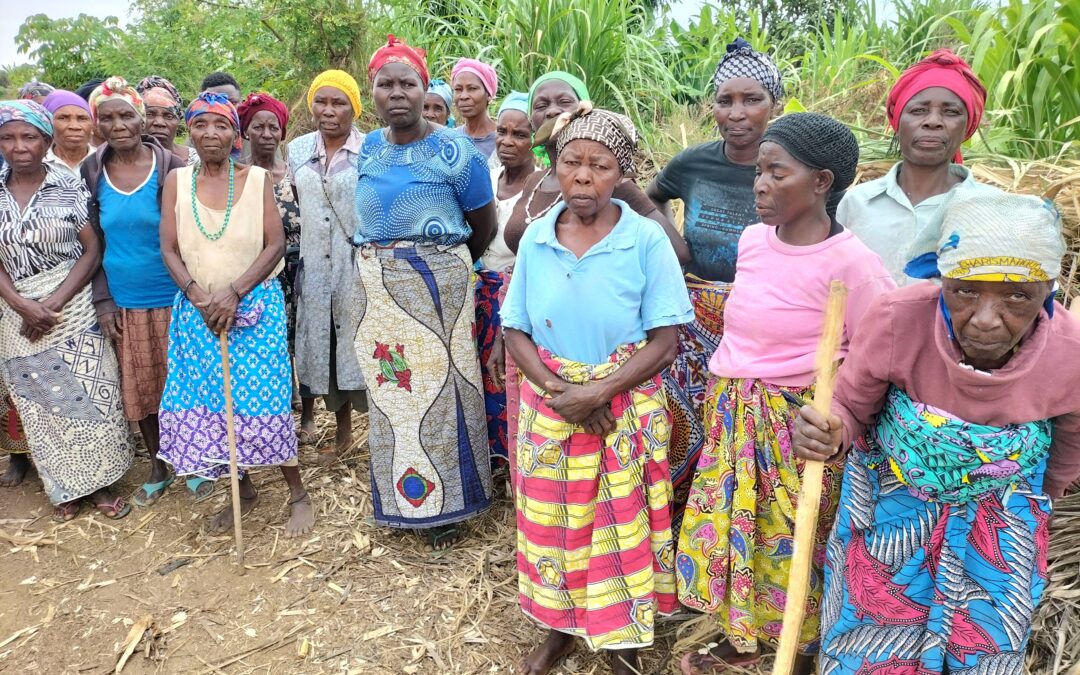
(228, 208)
(529, 217)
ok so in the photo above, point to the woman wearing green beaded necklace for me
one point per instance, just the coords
(223, 242)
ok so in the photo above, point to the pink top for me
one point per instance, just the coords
(904, 341)
(774, 315)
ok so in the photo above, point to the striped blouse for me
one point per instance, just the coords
(46, 233)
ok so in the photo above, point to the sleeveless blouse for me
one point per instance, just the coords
(214, 264)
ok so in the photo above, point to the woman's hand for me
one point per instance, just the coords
(816, 437)
(37, 318)
(221, 310)
(575, 403)
(111, 323)
(601, 422)
(496, 363)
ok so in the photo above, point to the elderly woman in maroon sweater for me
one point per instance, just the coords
(961, 409)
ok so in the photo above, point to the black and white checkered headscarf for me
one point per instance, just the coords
(742, 61)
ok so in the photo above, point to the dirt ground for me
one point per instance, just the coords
(350, 598)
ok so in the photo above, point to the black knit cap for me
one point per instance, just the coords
(819, 142)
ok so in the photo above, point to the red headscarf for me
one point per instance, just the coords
(259, 101)
(397, 51)
(945, 69)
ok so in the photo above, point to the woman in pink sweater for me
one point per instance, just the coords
(735, 543)
(962, 405)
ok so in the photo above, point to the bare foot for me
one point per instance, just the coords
(552, 650)
(625, 662)
(326, 457)
(344, 440)
(18, 465)
(301, 518)
(717, 659)
(222, 521)
(307, 434)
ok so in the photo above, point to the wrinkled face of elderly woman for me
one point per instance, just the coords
(470, 97)
(399, 94)
(551, 99)
(213, 136)
(435, 109)
(333, 112)
(513, 139)
(990, 318)
(120, 125)
(588, 173)
(23, 146)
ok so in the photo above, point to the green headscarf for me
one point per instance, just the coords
(575, 83)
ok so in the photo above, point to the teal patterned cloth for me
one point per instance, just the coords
(943, 458)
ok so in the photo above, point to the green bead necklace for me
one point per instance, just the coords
(228, 208)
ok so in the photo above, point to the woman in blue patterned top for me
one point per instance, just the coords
(426, 212)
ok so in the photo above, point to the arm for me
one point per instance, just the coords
(170, 249)
(629, 192)
(85, 268)
(485, 224)
(659, 199)
(107, 314)
(1063, 468)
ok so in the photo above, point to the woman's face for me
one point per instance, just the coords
(213, 136)
(742, 108)
(470, 97)
(513, 139)
(162, 123)
(264, 132)
(932, 127)
(785, 189)
(587, 173)
(435, 109)
(989, 318)
(399, 95)
(120, 125)
(23, 146)
(333, 112)
(72, 126)
(551, 99)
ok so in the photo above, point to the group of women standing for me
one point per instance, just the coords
(645, 387)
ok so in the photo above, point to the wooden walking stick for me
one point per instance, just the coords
(230, 427)
(806, 515)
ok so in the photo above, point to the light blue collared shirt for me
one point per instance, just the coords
(583, 309)
(882, 216)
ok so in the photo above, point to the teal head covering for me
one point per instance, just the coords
(515, 100)
(441, 89)
(575, 83)
(27, 111)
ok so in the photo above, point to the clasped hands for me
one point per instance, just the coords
(586, 404)
(218, 309)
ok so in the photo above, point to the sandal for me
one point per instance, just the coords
(62, 513)
(194, 488)
(114, 510)
(444, 533)
(149, 493)
(734, 663)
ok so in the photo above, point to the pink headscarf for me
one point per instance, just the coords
(488, 77)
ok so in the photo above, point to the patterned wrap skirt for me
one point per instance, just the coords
(489, 295)
(430, 462)
(737, 535)
(938, 558)
(144, 360)
(594, 548)
(66, 390)
(686, 384)
(193, 428)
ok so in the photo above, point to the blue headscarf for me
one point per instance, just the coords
(515, 100)
(29, 112)
(442, 89)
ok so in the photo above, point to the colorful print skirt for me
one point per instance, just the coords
(686, 384)
(430, 462)
(594, 549)
(737, 535)
(193, 428)
(921, 586)
(488, 301)
(66, 390)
